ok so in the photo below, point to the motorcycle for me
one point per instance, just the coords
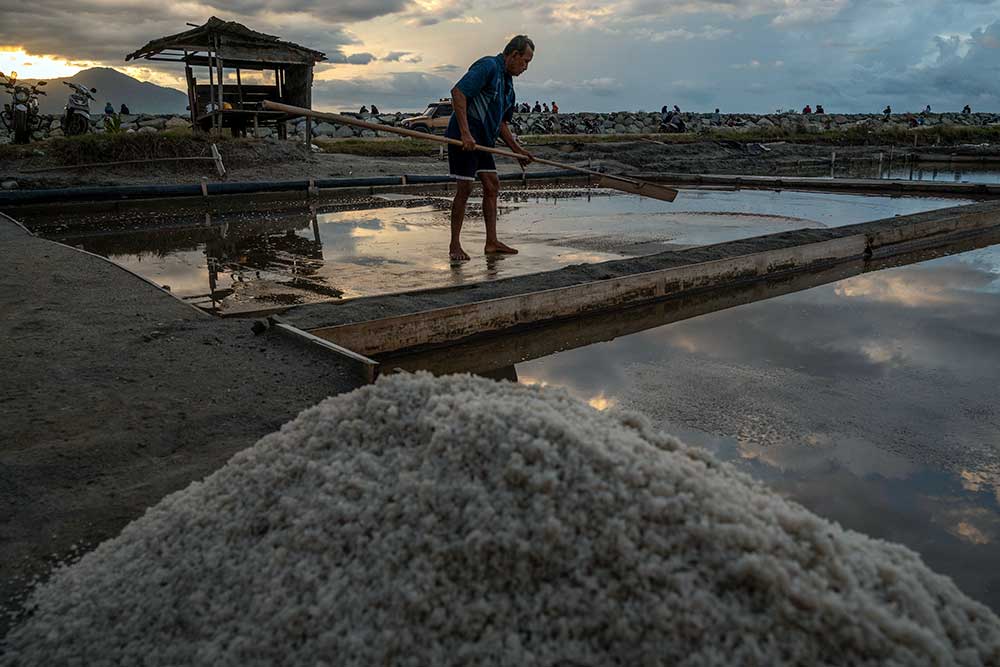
(76, 114)
(21, 116)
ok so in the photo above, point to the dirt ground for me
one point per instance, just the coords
(116, 394)
(273, 161)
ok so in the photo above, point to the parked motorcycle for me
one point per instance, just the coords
(21, 116)
(76, 114)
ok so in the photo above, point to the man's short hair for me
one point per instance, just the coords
(518, 44)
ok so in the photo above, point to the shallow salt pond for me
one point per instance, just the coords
(871, 399)
(246, 262)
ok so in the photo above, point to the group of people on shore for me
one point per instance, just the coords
(524, 107)
(366, 111)
(915, 120)
(808, 109)
(109, 109)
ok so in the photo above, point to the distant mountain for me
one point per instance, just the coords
(139, 96)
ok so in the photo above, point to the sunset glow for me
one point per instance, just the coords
(27, 66)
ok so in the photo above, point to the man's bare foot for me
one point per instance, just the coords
(498, 247)
(456, 254)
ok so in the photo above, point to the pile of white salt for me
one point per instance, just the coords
(460, 521)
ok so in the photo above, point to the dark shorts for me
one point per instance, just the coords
(467, 165)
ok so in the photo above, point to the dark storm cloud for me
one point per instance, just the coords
(954, 75)
(107, 31)
(402, 56)
(345, 11)
(353, 59)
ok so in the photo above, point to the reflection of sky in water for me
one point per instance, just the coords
(699, 217)
(871, 401)
(405, 247)
(941, 172)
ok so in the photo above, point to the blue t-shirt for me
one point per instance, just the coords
(489, 90)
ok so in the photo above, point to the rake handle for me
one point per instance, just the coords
(347, 120)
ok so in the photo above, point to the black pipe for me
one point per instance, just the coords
(118, 192)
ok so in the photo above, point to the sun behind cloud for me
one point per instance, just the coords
(29, 66)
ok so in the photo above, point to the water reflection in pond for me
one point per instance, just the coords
(268, 260)
(871, 399)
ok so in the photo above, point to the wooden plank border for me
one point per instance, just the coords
(442, 325)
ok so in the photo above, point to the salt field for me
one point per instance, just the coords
(246, 262)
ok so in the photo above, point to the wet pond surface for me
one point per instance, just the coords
(246, 262)
(944, 172)
(870, 399)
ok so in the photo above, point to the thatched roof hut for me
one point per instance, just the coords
(287, 73)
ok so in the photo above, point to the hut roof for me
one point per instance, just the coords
(235, 39)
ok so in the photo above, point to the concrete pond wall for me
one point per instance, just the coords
(620, 122)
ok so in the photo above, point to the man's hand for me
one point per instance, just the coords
(524, 157)
(468, 143)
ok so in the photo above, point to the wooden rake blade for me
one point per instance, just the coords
(642, 188)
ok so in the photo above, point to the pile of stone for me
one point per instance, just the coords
(618, 122)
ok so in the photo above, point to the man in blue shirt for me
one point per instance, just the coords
(483, 102)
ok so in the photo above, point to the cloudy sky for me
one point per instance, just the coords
(739, 55)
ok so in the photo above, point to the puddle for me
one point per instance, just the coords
(870, 399)
(237, 263)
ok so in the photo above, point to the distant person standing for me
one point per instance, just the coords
(124, 110)
(886, 112)
(927, 109)
(716, 117)
(537, 108)
(555, 107)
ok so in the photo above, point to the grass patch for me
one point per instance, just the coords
(550, 139)
(129, 146)
(16, 151)
(378, 147)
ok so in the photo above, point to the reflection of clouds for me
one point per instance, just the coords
(686, 343)
(583, 257)
(880, 352)
(600, 402)
(185, 272)
(983, 478)
(966, 530)
(977, 525)
(937, 283)
(818, 451)
(900, 289)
